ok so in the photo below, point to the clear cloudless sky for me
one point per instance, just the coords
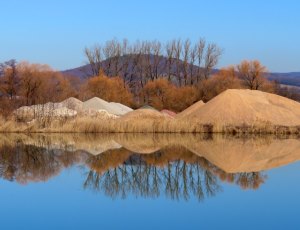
(55, 32)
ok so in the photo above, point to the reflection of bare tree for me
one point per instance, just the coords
(173, 171)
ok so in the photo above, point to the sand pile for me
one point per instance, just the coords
(190, 109)
(122, 109)
(237, 107)
(96, 104)
(144, 114)
(140, 121)
(72, 103)
(70, 107)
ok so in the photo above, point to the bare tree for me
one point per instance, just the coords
(94, 56)
(193, 54)
(200, 53)
(177, 54)
(213, 52)
(156, 51)
(170, 48)
(186, 55)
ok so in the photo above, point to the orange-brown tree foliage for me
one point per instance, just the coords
(226, 78)
(161, 94)
(253, 75)
(247, 75)
(40, 84)
(109, 89)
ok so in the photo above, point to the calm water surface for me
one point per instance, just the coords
(149, 182)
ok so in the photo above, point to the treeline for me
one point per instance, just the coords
(29, 84)
(170, 76)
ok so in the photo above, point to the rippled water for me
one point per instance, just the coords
(139, 181)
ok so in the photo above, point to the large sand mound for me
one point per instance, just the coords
(190, 109)
(248, 107)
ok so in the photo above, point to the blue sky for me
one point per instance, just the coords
(55, 32)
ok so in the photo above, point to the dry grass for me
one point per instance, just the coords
(163, 124)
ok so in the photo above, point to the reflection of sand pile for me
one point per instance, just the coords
(68, 142)
(248, 107)
(231, 154)
(247, 155)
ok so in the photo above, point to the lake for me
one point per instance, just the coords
(149, 181)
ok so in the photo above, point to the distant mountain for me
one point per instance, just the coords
(292, 78)
(85, 71)
(82, 72)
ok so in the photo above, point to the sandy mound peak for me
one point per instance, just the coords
(96, 104)
(248, 107)
(72, 103)
(190, 109)
(123, 109)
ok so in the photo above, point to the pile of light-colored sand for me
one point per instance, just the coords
(96, 104)
(122, 109)
(68, 142)
(144, 114)
(141, 121)
(238, 107)
(190, 109)
(71, 103)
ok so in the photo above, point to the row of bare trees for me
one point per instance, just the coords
(180, 61)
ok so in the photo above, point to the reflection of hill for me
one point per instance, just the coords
(147, 164)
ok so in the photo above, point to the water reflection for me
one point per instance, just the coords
(178, 166)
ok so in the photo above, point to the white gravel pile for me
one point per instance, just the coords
(72, 103)
(123, 109)
(96, 104)
(70, 107)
